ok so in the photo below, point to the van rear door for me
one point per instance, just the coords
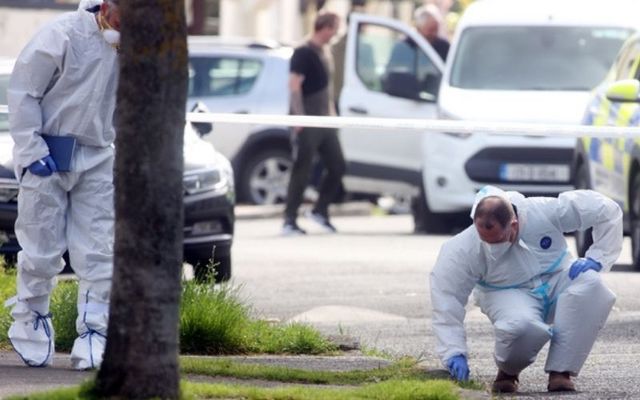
(390, 71)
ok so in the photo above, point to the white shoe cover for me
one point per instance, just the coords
(33, 340)
(87, 350)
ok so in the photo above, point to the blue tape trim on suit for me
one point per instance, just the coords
(549, 270)
(40, 319)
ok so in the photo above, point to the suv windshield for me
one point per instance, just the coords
(534, 57)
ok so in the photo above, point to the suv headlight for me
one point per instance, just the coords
(203, 180)
(8, 191)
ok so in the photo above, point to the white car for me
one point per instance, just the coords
(245, 77)
(510, 61)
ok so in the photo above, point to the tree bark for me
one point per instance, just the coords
(141, 356)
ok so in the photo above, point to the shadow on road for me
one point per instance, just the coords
(624, 268)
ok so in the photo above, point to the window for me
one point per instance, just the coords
(209, 76)
(535, 58)
(382, 51)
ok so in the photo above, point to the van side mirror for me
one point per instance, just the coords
(202, 128)
(402, 84)
(626, 90)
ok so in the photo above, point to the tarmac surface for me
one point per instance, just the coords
(611, 371)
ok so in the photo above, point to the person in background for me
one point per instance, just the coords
(311, 90)
(63, 89)
(527, 283)
(428, 20)
(405, 55)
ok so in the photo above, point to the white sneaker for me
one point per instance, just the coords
(321, 220)
(33, 340)
(87, 350)
(292, 229)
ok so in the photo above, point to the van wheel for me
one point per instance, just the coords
(425, 220)
(634, 219)
(584, 239)
(265, 177)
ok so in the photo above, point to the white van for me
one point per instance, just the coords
(510, 61)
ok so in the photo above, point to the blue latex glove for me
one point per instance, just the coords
(458, 367)
(583, 264)
(43, 167)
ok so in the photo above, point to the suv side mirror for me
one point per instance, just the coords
(402, 84)
(626, 90)
(202, 128)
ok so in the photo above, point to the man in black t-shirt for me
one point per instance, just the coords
(311, 91)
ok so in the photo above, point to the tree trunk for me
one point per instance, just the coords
(141, 356)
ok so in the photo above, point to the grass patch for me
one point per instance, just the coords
(401, 369)
(388, 390)
(213, 321)
(65, 311)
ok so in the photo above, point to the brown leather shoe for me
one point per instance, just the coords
(560, 382)
(505, 383)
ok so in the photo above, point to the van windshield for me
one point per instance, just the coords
(535, 57)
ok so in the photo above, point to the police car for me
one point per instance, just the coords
(612, 165)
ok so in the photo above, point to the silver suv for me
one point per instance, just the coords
(239, 76)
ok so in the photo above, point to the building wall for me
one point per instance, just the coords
(265, 19)
(17, 25)
(281, 19)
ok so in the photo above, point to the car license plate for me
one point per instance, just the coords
(535, 172)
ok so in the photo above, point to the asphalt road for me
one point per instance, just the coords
(371, 281)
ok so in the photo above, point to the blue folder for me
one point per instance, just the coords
(61, 150)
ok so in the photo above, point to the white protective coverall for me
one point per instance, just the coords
(527, 293)
(64, 83)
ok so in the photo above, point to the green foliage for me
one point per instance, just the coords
(389, 390)
(295, 338)
(401, 369)
(7, 290)
(64, 311)
(212, 320)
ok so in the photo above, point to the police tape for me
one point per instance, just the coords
(424, 125)
(411, 124)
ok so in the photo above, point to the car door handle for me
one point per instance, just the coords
(241, 112)
(358, 110)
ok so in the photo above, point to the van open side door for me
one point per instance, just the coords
(390, 71)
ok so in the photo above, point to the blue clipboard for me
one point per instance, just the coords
(61, 149)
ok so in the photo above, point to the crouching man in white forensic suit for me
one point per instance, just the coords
(64, 84)
(527, 283)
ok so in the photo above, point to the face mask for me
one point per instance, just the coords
(496, 251)
(109, 34)
(112, 37)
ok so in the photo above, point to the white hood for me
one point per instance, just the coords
(552, 107)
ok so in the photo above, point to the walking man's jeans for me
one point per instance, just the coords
(306, 144)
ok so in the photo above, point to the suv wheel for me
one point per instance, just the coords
(584, 239)
(265, 177)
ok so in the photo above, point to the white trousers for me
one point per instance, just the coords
(575, 312)
(68, 211)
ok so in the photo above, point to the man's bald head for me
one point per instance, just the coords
(495, 220)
